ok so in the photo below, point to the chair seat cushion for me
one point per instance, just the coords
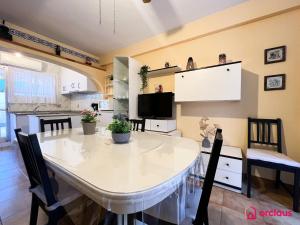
(271, 156)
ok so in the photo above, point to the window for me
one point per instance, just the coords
(26, 86)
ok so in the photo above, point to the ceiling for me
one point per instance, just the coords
(76, 22)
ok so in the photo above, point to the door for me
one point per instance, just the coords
(3, 106)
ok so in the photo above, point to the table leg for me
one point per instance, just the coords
(120, 219)
(125, 219)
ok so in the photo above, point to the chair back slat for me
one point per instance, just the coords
(269, 133)
(35, 164)
(264, 132)
(257, 131)
(135, 124)
(55, 122)
(29, 161)
(209, 177)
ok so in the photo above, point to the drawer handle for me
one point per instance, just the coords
(228, 69)
(182, 76)
(157, 125)
(227, 164)
(227, 178)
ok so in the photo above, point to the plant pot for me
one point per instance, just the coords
(89, 128)
(206, 143)
(120, 138)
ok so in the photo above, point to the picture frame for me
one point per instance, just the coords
(275, 82)
(275, 55)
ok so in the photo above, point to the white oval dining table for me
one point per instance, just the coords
(123, 178)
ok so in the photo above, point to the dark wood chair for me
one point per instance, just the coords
(200, 208)
(137, 125)
(260, 152)
(55, 122)
(47, 193)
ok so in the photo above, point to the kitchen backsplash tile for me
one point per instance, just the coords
(80, 101)
(64, 104)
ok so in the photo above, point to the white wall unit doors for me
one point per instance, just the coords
(216, 83)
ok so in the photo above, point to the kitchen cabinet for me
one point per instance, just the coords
(105, 118)
(72, 81)
(214, 83)
(18, 121)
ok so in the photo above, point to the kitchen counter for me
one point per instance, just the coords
(29, 121)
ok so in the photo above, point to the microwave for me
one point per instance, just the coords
(106, 104)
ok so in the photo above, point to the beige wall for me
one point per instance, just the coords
(246, 43)
(246, 12)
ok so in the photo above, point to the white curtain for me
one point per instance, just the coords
(26, 86)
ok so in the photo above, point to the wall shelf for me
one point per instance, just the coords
(164, 71)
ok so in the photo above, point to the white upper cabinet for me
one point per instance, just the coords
(72, 81)
(216, 83)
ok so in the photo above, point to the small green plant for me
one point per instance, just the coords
(119, 126)
(143, 74)
(88, 116)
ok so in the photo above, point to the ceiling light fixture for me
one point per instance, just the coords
(146, 1)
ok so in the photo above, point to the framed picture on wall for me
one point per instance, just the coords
(275, 82)
(275, 55)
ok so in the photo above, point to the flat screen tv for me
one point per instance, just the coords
(157, 105)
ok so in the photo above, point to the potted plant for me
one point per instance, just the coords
(143, 74)
(88, 121)
(120, 130)
(206, 130)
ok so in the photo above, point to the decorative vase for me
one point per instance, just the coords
(222, 58)
(120, 138)
(206, 143)
(190, 64)
(89, 128)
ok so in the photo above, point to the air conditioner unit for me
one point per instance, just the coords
(8, 59)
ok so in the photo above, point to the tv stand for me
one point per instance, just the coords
(160, 125)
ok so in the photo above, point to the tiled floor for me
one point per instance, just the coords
(225, 208)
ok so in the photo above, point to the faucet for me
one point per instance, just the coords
(36, 109)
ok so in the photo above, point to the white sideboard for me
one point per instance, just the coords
(229, 170)
(160, 125)
(214, 83)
